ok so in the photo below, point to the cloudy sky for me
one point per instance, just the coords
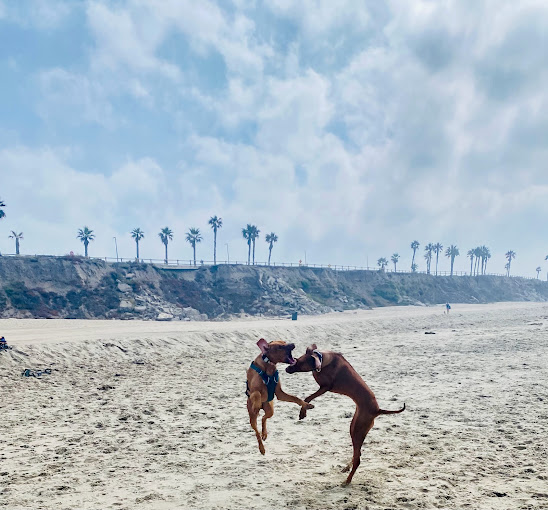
(349, 128)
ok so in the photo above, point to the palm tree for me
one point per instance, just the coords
(382, 263)
(193, 236)
(429, 248)
(539, 269)
(452, 252)
(254, 235)
(477, 254)
(510, 254)
(137, 234)
(271, 239)
(85, 235)
(395, 258)
(414, 246)
(485, 255)
(246, 233)
(438, 247)
(216, 223)
(166, 235)
(471, 255)
(17, 237)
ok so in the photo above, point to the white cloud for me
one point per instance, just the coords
(370, 126)
(40, 14)
(75, 98)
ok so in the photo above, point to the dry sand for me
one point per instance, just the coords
(149, 415)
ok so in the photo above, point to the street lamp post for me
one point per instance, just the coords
(227, 253)
(116, 245)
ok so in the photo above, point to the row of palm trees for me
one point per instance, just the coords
(193, 236)
(429, 249)
(478, 257)
(251, 233)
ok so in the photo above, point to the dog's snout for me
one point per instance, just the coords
(291, 347)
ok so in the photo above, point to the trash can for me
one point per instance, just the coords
(294, 316)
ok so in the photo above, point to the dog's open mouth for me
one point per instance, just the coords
(290, 360)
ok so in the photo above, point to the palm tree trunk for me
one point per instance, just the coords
(413, 260)
(248, 251)
(166, 253)
(137, 243)
(437, 255)
(253, 251)
(215, 247)
(471, 263)
(16, 246)
(194, 248)
(269, 253)
(86, 249)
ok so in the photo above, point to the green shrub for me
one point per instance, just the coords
(388, 292)
(22, 298)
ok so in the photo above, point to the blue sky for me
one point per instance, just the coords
(348, 128)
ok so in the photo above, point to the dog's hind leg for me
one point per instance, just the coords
(360, 426)
(352, 428)
(268, 408)
(253, 407)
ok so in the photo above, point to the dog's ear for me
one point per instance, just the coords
(311, 348)
(263, 345)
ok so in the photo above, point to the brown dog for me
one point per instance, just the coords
(263, 383)
(333, 373)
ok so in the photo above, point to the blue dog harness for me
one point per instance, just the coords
(271, 381)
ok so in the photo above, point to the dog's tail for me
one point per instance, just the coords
(382, 411)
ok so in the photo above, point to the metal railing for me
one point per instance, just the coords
(189, 264)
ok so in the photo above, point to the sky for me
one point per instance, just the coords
(348, 128)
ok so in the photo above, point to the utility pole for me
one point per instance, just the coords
(227, 253)
(116, 245)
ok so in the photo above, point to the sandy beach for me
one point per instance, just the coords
(152, 415)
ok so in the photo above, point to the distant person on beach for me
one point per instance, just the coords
(447, 307)
(3, 343)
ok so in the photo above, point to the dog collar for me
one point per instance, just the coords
(266, 360)
(320, 357)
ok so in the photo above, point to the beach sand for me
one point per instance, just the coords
(152, 415)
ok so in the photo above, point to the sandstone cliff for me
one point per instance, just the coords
(73, 287)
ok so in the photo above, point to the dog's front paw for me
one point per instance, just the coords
(302, 414)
